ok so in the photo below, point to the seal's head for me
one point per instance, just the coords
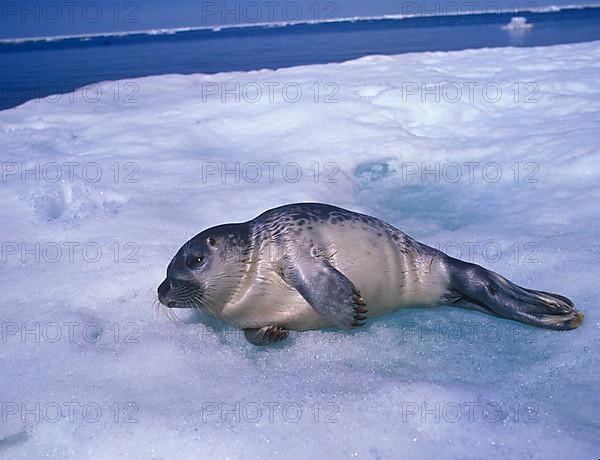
(207, 269)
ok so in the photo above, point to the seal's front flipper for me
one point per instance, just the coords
(487, 291)
(327, 290)
(265, 335)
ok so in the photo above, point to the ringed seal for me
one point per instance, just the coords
(309, 266)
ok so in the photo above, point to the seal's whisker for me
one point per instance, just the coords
(156, 307)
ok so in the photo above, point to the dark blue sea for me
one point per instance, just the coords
(33, 69)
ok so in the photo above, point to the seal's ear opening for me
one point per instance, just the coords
(211, 242)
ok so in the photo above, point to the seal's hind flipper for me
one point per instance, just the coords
(327, 290)
(487, 291)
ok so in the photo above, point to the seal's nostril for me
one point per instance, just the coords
(171, 305)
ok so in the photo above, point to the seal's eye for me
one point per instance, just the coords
(195, 261)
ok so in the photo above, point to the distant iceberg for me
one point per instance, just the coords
(517, 23)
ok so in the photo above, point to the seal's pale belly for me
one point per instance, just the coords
(388, 275)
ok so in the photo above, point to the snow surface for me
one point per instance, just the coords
(421, 383)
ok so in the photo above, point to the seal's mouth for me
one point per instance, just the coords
(179, 294)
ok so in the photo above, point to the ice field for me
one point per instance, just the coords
(491, 155)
